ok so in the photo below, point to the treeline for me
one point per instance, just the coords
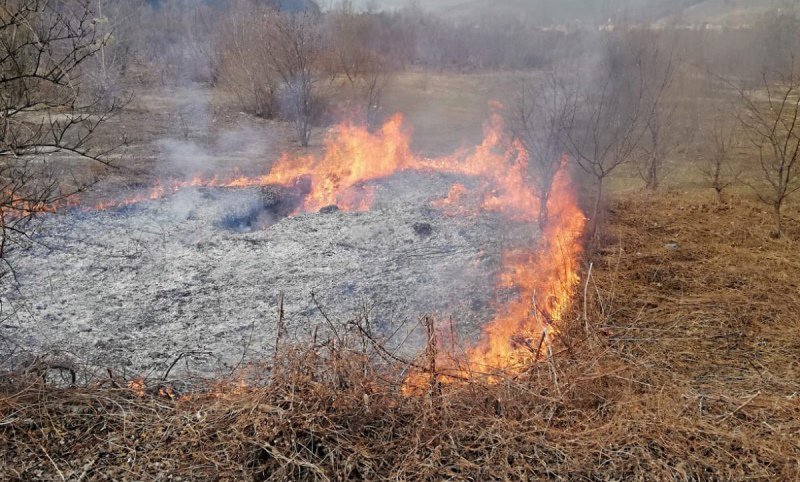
(289, 62)
(488, 41)
(190, 40)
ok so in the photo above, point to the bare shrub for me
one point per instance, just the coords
(771, 119)
(352, 36)
(274, 62)
(246, 71)
(717, 168)
(44, 45)
(537, 119)
(297, 51)
(115, 24)
(179, 39)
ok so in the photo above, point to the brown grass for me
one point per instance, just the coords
(687, 370)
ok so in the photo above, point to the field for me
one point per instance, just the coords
(678, 358)
(678, 362)
(305, 240)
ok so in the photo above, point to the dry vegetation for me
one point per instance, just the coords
(686, 369)
(679, 357)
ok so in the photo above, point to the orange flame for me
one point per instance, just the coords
(452, 203)
(545, 277)
(544, 274)
(137, 386)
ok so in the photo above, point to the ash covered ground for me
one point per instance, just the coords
(203, 270)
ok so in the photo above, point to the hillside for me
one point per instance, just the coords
(691, 11)
(730, 12)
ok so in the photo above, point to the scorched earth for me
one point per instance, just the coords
(203, 269)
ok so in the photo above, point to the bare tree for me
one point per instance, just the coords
(202, 31)
(537, 119)
(374, 81)
(608, 116)
(246, 71)
(367, 70)
(115, 24)
(777, 38)
(44, 45)
(771, 118)
(179, 36)
(297, 52)
(718, 168)
(276, 62)
(662, 134)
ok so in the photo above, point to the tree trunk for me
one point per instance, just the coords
(305, 131)
(777, 230)
(595, 231)
(652, 174)
(544, 212)
(305, 111)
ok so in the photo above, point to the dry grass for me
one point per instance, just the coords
(447, 110)
(687, 370)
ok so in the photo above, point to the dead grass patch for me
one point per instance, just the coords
(686, 369)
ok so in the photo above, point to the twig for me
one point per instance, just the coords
(585, 296)
(387, 354)
(430, 352)
(539, 346)
(281, 327)
(553, 369)
(325, 316)
(747, 402)
(60, 473)
(181, 356)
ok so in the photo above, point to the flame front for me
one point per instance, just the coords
(544, 274)
(545, 277)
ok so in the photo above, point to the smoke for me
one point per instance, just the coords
(540, 11)
(183, 159)
(182, 206)
(206, 144)
(203, 142)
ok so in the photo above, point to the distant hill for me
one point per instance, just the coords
(543, 10)
(690, 11)
(731, 12)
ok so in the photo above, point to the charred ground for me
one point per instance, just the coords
(680, 364)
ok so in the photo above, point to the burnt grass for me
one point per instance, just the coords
(684, 367)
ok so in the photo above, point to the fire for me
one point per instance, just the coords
(544, 274)
(137, 386)
(452, 204)
(224, 389)
(545, 277)
(453, 197)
